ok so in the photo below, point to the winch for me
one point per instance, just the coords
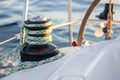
(38, 40)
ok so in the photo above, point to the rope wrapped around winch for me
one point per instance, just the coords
(18, 65)
(37, 49)
(38, 33)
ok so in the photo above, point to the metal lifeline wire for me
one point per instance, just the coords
(38, 40)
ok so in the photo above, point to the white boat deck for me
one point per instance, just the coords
(99, 61)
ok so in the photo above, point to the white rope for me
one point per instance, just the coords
(17, 36)
(79, 22)
(7, 40)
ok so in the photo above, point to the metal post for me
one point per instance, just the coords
(25, 13)
(70, 20)
(109, 23)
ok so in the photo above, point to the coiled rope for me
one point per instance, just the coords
(17, 36)
(38, 34)
(18, 65)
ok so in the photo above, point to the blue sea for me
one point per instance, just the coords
(11, 15)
